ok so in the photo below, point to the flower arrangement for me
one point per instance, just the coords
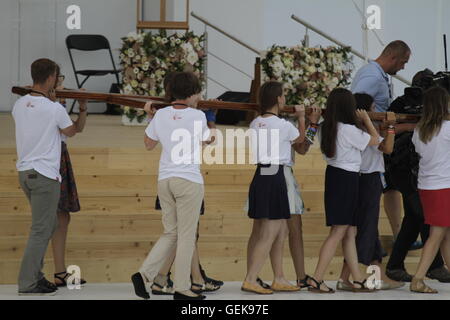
(146, 58)
(308, 74)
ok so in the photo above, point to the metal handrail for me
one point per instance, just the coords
(230, 65)
(209, 24)
(219, 84)
(326, 36)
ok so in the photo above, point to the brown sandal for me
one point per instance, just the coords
(418, 286)
(248, 287)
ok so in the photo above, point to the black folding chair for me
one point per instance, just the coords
(89, 42)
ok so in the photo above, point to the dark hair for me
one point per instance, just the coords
(421, 77)
(42, 69)
(435, 111)
(363, 101)
(184, 85)
(268, 95)
(398, 48)
(341, 107)
(167, 80)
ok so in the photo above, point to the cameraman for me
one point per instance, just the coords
(402, 167)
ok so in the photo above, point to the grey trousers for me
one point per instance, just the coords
(43, 195)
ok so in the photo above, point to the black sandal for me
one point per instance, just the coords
(163, 291)
(316, 289)
(302, 284)
(64, 279)
(263, 284)
(208, 279)
(362, 287)
(206, 287)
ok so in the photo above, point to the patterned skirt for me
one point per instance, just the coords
(68, 201)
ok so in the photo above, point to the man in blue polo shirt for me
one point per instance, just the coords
(373, 78)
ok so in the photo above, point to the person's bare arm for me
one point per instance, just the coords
(300, 113)
(387, 146)
(374, 136)
(150, 144)
(78, 125)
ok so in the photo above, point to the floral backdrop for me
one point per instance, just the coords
(146, 58)
(308, 74)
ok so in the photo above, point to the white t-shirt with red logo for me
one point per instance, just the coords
(38, 139)
(180, 132)
(272, 140)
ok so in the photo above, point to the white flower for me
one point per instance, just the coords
(128, 89)
(131, 53)
(134, 83)
(136, 70)
(192, 58)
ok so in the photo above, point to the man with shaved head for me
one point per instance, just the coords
(373, 78)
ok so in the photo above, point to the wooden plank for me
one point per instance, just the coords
(162, 8)
(171, 25)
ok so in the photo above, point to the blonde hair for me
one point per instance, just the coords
(435, 111)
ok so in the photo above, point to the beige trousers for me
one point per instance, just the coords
(181, 201)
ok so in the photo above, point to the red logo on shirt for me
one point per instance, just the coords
(177, 117)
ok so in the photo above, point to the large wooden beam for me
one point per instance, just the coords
(140, 101)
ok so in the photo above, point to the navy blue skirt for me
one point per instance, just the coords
(268, 197)
(341, 197)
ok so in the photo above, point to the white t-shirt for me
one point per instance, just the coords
(350, 142)
(38, 139)
(372, 159)
(272, 140)
(434, 166)
(180, 132)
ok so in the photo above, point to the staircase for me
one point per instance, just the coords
(116, 178)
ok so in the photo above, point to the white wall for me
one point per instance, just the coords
(243, 19)
(260, 23)
(420, 23)
(42, 34)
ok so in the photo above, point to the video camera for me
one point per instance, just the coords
(426, 80)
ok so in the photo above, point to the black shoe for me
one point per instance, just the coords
(180, 296)
(48, 284)
(139, 286)
(399, 275)
(39, 290)
(416, 246)
(441, 274)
